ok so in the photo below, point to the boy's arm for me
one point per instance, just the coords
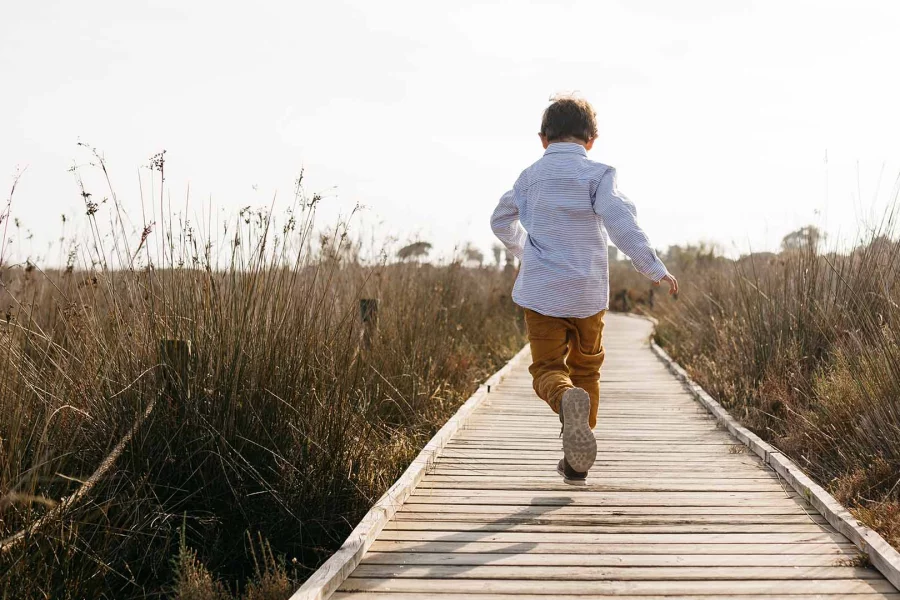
(619, 217)
(506, 226)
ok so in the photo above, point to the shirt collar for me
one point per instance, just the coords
(568, 147)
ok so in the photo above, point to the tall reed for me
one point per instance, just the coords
(803, 348)
(283, 431)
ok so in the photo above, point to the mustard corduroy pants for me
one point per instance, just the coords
(566, 353)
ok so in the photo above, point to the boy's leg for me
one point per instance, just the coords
(585, 358)
(549, 345)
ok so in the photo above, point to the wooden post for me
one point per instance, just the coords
(175, 357)
(368, 314)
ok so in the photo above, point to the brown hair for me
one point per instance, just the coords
(567, 117)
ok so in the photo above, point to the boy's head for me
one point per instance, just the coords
(569, 119)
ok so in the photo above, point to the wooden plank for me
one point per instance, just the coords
(636, 528)
(537, 410)
(665, 434)
(611, 538)
(842, 549)
(611, 460)
(606, 469)
(451, 482)
(704, 456)
(602, 560)
(585, 495)
(606, 434)
(621, 438)
(633, 476)
(586, 518)
(671, 588)
(612, 573)
(620, 447)
(599, 501)
(596, 596)
(526, 509)
(608, 464)
(602, 471)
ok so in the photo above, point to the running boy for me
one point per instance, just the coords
(555, 221)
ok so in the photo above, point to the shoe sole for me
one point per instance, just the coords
(579, 443)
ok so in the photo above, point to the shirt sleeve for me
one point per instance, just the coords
(620, 219)
(506, 226)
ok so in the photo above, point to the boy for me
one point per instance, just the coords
(555, 220)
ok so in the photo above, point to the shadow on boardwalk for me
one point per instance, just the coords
(455, 542)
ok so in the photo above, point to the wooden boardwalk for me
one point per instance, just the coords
(674, 507)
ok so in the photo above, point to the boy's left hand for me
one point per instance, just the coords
(673, 283)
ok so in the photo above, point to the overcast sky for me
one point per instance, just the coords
(718, 115)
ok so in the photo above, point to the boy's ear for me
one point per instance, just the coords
(544, 141)
(590, 143)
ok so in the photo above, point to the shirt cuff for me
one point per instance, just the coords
(657, 271)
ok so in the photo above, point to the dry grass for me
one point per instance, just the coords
(256, 466)
(802, 347)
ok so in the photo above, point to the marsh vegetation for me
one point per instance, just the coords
(237, 471)
(803, 346)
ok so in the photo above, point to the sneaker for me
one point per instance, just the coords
(568, 473)
(579, 443)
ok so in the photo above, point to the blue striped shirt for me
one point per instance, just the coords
(556, 219)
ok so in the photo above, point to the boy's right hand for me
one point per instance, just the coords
(673, 283)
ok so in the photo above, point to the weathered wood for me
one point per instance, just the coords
(550, 499)
(676, 505)
(368, 316)
(654, 474)
(843, 550)
(501, 510)
(607, 573)
(457, 526)
(671, 588)
(586, 496)
(621, 485)
(586, 518)
(611, 538)
(336, 569)
(602, 596)
(175, 358)
(602, 454)
(600, 560)
(605, 464)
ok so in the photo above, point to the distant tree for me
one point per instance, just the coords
(416, 250)
(338, 248)
(510, 259)
(881, 244)
(683, 258)
(759, 258)
(498, 253)
(805, 237)
(473, 254)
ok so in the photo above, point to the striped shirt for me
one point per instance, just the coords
(555, 220)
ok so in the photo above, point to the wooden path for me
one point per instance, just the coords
(674, 507)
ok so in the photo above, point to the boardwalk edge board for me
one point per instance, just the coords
(336, 569)
(879, 553)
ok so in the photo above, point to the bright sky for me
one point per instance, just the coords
(718, 115)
